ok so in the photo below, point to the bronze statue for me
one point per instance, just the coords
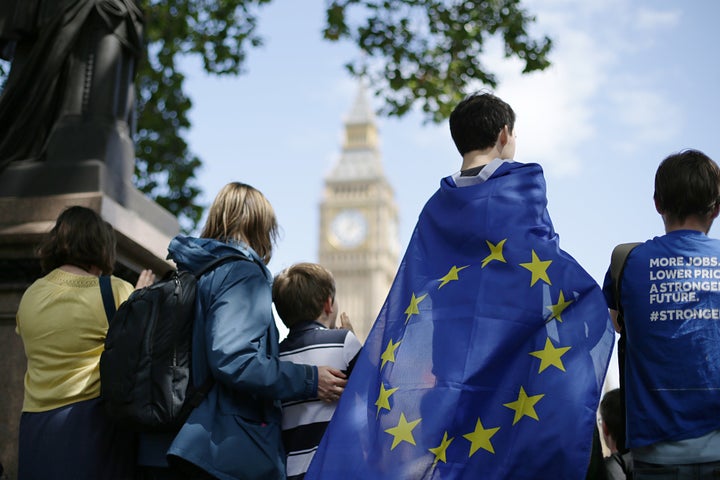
(70, 94)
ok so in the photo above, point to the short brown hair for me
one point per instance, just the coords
(611, 414)
(81, 238)
(241, 212)
(687, 183)
(476, 122)
(300, 291)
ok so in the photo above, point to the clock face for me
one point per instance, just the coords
(348, 229)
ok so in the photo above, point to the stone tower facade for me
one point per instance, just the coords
(359, 221)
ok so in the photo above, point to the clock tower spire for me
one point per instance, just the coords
(358, 220)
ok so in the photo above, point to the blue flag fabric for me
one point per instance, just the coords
(488, 357)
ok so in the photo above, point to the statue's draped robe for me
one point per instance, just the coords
(53, 39)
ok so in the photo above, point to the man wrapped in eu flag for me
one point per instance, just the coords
(488, 357)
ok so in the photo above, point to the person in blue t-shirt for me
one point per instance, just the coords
(670, 298)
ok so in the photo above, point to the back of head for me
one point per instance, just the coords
(476, 122)
(687, 183)
(300, 291)
(81, 238)
(611, 414)
(241, 212)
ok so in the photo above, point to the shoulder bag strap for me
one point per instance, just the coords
(107, 296)
(617, 264)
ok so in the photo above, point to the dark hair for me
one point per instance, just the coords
(300, 291)
(241, 212)
(687, 183)
(611, 414)
(81, 238)
(476, 122)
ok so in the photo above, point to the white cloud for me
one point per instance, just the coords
(555, 107)
(648, 19)
(561, 109)
(644, 116)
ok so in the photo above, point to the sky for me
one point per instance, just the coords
(631, 82)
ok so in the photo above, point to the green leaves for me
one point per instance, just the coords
(416, 52)
(429, 52)
(218, 32)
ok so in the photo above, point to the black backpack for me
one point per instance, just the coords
(145, 368)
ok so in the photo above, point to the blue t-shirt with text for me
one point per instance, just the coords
(671, 303)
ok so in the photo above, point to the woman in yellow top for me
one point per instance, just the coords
(64, 433)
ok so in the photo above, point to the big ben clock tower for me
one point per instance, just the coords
(358, 221)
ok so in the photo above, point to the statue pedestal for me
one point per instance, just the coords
(32, 195)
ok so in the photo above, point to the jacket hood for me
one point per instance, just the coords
(190, 253)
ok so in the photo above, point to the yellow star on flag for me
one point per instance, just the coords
(440, 450)
(412, 309)
(496, 252)
(383, 400)
(558, 308)
(389, 354)
(550, 356)
(451, 275)
(403, 431)
(524, 405)
(480, 438)
(538, 268)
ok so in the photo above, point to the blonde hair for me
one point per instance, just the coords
(241, 212)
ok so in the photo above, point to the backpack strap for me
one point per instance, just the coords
(617, 265)
(618, 259)
(107, 296)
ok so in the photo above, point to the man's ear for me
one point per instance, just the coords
(657, 205)
(503, 136)
(715, 211)
(327, 306)
(605, 429)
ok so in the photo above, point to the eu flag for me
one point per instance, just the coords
(488, 357)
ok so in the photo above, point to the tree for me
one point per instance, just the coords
(425, 52)
(430, 51)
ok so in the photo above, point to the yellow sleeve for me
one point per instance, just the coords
(121, 290)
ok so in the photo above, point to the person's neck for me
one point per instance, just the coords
(689, 223)
(93, 271)
(477, 158)
(324, 320)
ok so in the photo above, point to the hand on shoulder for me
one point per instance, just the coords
(331, 383)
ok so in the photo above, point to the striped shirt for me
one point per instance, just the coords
(304, 422)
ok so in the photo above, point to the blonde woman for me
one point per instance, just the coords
(235, 433)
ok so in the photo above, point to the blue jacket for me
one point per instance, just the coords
(235, 432)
